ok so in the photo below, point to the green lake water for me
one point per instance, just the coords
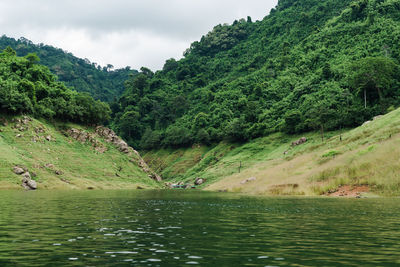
(178, 228)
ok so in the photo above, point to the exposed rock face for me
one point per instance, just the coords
(199, 181)
(85, 137)
(299, 142)
(111, 137)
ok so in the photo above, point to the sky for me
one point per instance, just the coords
(123, 33)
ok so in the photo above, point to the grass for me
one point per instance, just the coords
(81, 166)
(367, 155)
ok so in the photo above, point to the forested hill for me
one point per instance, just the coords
(27, 87)
(102, 83)
(308, 65)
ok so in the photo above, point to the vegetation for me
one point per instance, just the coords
(365, 156)
(309, 65)
(29, 88)
(103, 83)
(63, 162)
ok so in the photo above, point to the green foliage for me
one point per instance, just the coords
(303, 67)
(29, 88)
(102, 83)
(374, 76)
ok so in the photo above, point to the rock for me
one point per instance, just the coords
(49, 166)
(32, 184)
(48, 138)
(300, 141)
(251, 179)
(27, 182)
(111, 137)
(18, 135)
(18, 170)
(58, 172)
(26, 175)
(199, 181)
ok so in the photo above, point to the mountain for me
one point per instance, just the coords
(308, 65)
(102, 83)
(49, 136)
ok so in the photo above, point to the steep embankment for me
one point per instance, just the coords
(366, 159)
(68, 156)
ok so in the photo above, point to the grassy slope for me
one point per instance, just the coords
(81, 165)
(368, 155)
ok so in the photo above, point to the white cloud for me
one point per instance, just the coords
(122, 32)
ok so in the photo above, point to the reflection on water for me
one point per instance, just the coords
(164, 228)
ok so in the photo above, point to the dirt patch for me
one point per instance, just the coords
(349, 191)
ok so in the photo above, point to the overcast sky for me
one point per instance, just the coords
(123, 32)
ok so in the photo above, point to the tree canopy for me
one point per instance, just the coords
(29, 88)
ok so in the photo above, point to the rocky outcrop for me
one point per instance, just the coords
(27, 181)
(199, 181)
(85, 137)
(111, 137)
(299, 142)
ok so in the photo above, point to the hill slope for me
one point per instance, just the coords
(65, 156)
(305, 66)
(366, 156)
(102, 83)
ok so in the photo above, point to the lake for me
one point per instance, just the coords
(179, 228)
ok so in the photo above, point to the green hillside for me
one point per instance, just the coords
(308, 65)
(103, 83)
(56, 159)
(58, 149)
(366, 157)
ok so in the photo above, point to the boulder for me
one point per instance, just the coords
(26, 175)
(32, 184)
(27, 182)
(18, 170)
(300, 141)
(48, 138)
(199, 181)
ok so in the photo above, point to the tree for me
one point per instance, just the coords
(372, 74)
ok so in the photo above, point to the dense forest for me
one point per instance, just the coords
(309, 65)
(103, 83)
(27, 87)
